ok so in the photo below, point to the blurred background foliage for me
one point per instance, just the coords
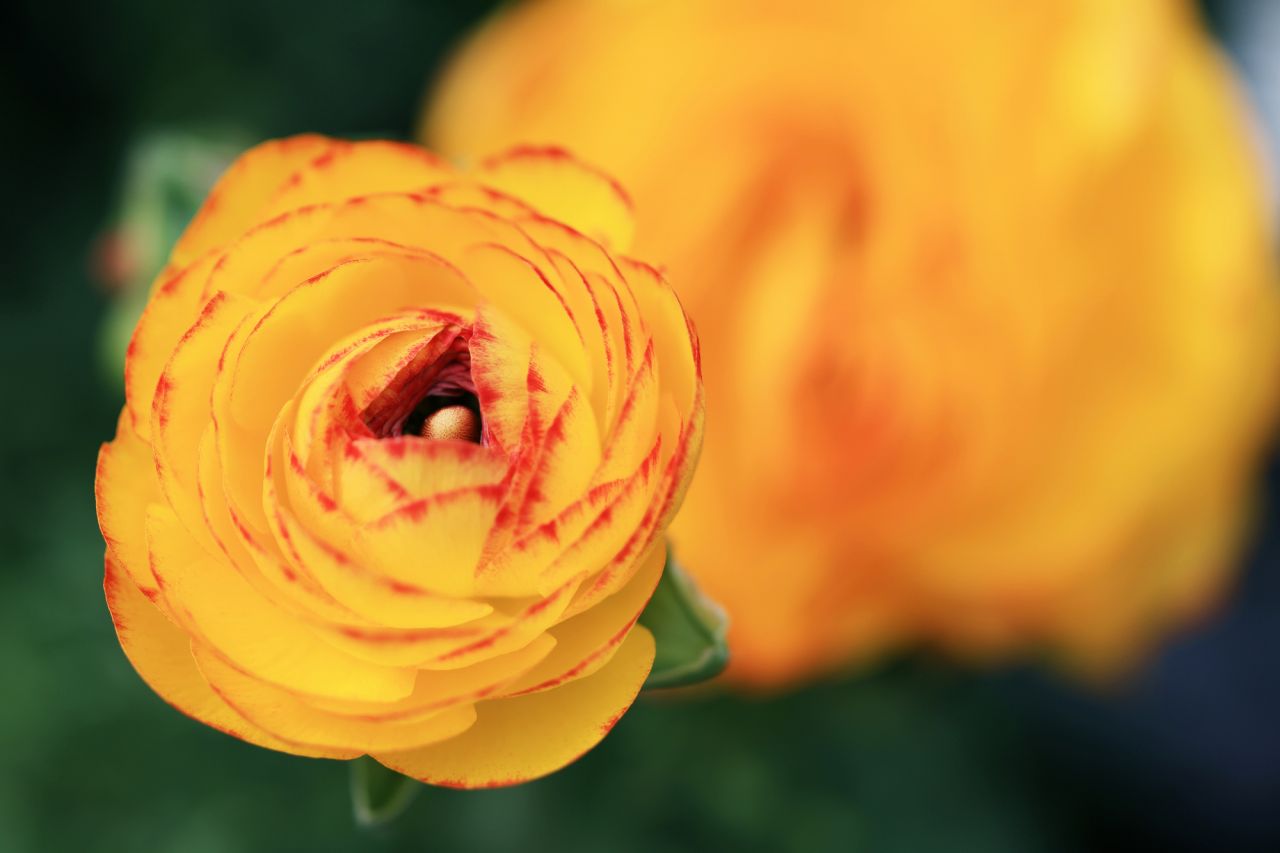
(915, 755)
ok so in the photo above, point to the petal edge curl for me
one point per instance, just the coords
(524, 738)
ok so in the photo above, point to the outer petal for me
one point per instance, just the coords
(180, 408)
(174, 304)
(124, 487)
(565, 188)
(586, 642)
(234, 202)
(296, 721)
(442, 688)
(353, 170)
(516, 740)
(218, 606)
(159, 651)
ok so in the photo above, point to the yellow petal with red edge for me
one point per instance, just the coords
(635, 553)
(216, 604)
(679, 358)
(234, 203)
(175, 301)
(290, 718)
(569, 456)
(564, 188)
(312, 258)
(440, 688)
(283, 342)
(586, 642)
(519, 288)
(500, 361)
(354, 170)
(307, 539)
(373, 596)
(685, 459)
(161, 654)
(590, 319)
(377, 476)
(213, 508)
(433, 543)
(551, 553)
(463, 193)
(612, 532)
(507, 570)
(125, 485)
(528, 620)
(526, 737)
(632, 435)
(276, 349)
(393, 365)
(419, 648)
(338, 386)
(180, 410)
(614, 310)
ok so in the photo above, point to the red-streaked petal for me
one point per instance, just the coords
(526, 737)
(161, 654)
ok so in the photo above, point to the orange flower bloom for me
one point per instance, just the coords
(397, 458)
(986, 290)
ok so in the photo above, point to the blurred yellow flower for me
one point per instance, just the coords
(397, 458)
(986, 291)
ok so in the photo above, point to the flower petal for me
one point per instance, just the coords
(215, 603)
(124, 487)
(295, 721)
(236, 200)
(586, 642)
(564, 188)
(522, 738)
(160, 652)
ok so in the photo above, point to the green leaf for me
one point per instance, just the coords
(689, 629)
(379, 795)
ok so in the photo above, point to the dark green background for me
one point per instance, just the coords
(913, 757)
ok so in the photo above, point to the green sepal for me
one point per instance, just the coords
(689, 630)
(378, 794)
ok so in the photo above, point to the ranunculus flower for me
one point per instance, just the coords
(986, 290)
(399, 450)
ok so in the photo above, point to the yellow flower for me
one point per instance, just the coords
(986, 291)
(397, 458)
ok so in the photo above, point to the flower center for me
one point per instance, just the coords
(433, 396)
(454, 417)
